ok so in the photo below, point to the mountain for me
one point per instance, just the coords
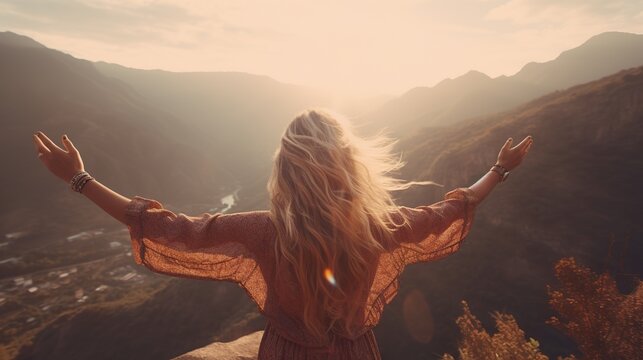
(601, 55)
(225, 110)
(251, 110)
(125, 142)
(475, 94)
(576, 194)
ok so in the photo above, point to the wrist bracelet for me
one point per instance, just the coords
(497, 172)
(79, 180)
(78, 175)
(82, 182)
(504, 173)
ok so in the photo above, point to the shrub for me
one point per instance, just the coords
(603, 322)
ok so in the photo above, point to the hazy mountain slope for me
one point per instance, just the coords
(125, 143)
(576, 192)
(475, 94)
(225, 110)
(251, 110)
(601, 55)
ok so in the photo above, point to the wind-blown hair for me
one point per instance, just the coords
(331, 203)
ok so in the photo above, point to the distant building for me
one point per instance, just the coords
(16, 235)
(78, 293)
(128, 276)
(85, 235)
(12, 260)
(80, 236)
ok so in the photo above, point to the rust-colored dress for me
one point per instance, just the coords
(238, 247)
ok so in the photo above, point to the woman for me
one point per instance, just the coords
(323, 262)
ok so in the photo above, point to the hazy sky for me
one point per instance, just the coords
(346, 46)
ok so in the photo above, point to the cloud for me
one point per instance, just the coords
(532, 12)
(129, 22)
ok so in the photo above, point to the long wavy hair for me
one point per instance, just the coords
(331, 203)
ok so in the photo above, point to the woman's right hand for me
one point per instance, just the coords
(510, 158)
(63, 163)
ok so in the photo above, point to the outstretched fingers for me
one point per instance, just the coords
(50, 144)
(521, 146)
(41, 148)
(69, 145)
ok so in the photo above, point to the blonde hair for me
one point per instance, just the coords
(331, 203)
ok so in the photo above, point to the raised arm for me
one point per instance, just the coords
(509, 158)
(65, 163)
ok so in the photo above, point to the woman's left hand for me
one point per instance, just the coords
(62, 163)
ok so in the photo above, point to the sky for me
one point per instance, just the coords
(344, 46)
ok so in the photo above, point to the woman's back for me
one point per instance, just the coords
(239, 248)
(433, 232)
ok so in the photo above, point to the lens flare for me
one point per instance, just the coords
(328, 274)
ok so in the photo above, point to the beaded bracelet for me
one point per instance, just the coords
(79, 180)
(78, 175)
(83, 182)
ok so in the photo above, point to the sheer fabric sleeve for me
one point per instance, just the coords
(437, 230)
(210, 246)
(434, 232)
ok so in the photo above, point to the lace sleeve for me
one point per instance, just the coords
(435, 231)
(211, 246)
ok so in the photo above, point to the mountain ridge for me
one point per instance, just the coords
(473, 94)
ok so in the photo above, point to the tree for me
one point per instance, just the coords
(603, 322)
